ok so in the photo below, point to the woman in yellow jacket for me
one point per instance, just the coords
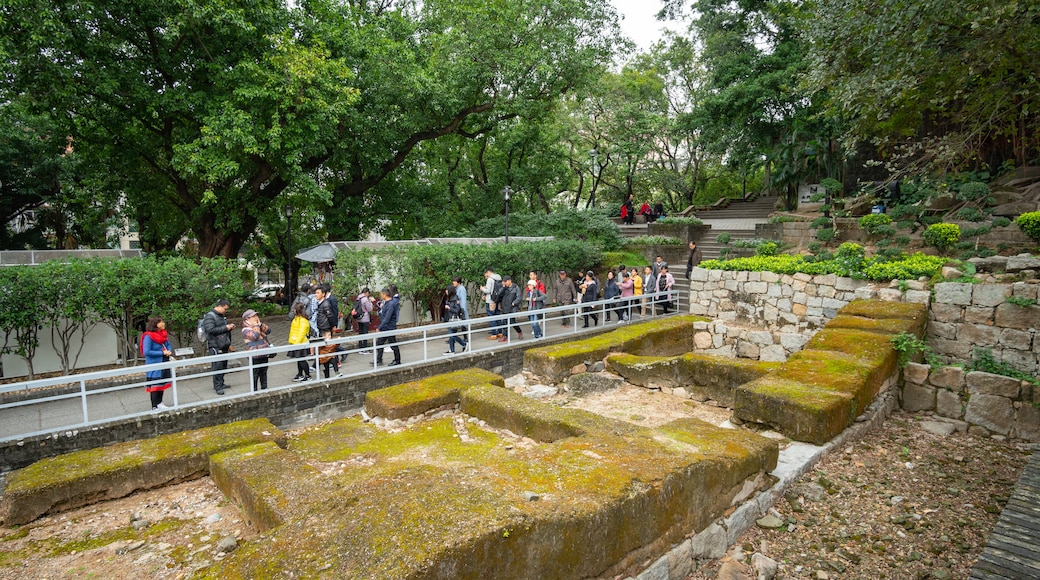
(299, 332)
(637, 290)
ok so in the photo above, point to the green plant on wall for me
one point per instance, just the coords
(909, 346)
(942, 236)
(1029, 223)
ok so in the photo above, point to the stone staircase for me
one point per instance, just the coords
(710, 249)
(755, 208)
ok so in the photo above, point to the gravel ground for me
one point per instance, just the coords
(899, 503)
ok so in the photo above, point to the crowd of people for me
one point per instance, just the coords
(650, 214)
(315, 316)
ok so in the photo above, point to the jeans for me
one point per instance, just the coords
(454, 339)
(535, 327)
(494, 325)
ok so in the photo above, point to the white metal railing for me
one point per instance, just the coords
(50, 399)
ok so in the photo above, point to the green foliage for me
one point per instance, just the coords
(821, 222)
(1001, 222)
(910, 347)
(653, 241)
(825, 235)
(942, 236)
(982, 359)
(611, 261)
(421, 273)
(975, 232)
(723, 238)
(815, 247)
(970, 214)
(1029, 223)
(767, 249)
(884, 73)
(872, 222)
(973, 191)
(848, 264)
(1020, 301)
(593, 226)
(680, 220)
(781, 219)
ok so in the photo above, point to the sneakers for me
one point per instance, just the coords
(394, 364)
(337, 375)
(298, 379)
(503, 339)
(220, 391)
(449, 353)
(519, 336)
(160, 408)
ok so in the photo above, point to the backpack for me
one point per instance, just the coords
(357, 310)
(200, 332)
(496, 293)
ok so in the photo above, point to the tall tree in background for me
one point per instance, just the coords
(212, 114)
(954, 83)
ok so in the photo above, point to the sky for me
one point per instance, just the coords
(639, 21)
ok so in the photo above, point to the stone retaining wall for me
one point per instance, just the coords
(979, 402)
(965, 316)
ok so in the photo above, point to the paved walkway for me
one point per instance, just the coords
(116, 402)
(1013, 548)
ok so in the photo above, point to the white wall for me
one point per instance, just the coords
(99, 349)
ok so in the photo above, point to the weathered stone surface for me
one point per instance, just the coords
(400, 497)
(980, 383)
(948, 404)
(1014, 209)
(417, 397)
(802, 412)
(979, 315)
(733, 570)
(772, 353)
(748, 350)
(994, 413)
(979, 334)
(702, 340)
(680, 562)
(947, 312)
(916, 373)
(709, 543)
(990, 294)
(1017, 339)
(918, 397)
(953, 293)
(761, 338)
(1020, 317)
(948, 377)
(662, 337)
(75, 479)
(703, 376)
(890, 294)
(587, 383)
(1023, 262)
(793, 341)
(938, 428)
(765, 567)
(990, 264)
(1027, 422)
(267, 482)
(918, 296)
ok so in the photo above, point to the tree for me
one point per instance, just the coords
(951, 83)
(211, 113)
(19, 319)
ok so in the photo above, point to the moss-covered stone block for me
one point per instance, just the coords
(800, 411)
(889, 326)
(417, 397)
(663, 337)
(705, 376)
(75, 479)
(430, 505)
(835, 371)
(915, 314)
(268, 483)
(505, 409)
(872, 347)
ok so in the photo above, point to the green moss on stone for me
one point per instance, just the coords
(417, 397)
(800, 411)
(915, 314)
(75, 479)
(882, 325)
(668, 336)
(875, 349)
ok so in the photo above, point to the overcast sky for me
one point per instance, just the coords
(639, 21)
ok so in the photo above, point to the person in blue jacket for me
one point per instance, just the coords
(155, 346)
(388, 321)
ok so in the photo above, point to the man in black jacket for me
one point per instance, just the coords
(218, 339)
(325, 318)
(508, 304)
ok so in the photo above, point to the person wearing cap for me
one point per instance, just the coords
(535, 301)
(254, 334)
(589, 293)
(564, 294)
(218, 340)
(510, 303)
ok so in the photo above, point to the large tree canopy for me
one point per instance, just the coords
(958, 81)
(207, 115)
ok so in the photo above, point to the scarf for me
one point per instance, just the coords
(157, 336)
